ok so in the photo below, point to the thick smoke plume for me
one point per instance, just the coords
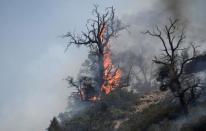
(190, 13)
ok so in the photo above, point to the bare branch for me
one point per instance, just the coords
(173, 60)
(158, 35)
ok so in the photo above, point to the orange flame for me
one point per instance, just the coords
(94, 98)
(112, 75)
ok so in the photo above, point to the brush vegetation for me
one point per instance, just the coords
(118, 112)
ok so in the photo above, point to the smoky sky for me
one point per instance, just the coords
(33, 63)
(189, 13)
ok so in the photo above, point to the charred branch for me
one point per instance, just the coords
(99, 31)
(172, 64)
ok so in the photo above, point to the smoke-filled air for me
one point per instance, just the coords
(136, 65)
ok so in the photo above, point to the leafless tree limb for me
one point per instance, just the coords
(173, 59)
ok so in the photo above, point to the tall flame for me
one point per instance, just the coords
(112, 75)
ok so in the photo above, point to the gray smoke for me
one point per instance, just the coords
(191, 13)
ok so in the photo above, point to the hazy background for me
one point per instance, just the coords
(32, 59)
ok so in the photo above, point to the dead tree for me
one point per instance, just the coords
(175, 55)
(84, 88)
(77, 85)
(99, 32)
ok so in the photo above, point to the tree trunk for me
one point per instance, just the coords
(101, 72)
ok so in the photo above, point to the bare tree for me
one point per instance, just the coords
(98, 33)
(172, 62)
(84, 88)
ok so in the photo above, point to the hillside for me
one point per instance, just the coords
(127, 111)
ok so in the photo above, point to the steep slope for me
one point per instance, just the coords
(127, 111)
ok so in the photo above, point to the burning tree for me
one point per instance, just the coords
(97, 36)
(172, 62)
